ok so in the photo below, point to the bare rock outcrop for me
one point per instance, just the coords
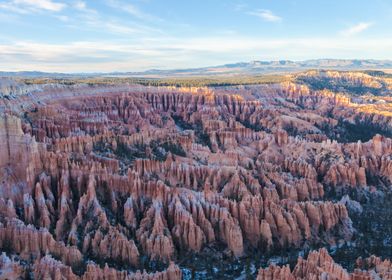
(121, 174)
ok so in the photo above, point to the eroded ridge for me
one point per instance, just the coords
(320, 265)
(112, 181)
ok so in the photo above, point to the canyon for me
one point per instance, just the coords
(126, 181)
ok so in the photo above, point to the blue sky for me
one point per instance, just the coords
(134, 35)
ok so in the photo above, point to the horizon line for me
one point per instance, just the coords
(214, 66)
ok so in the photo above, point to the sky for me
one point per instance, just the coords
(136, 35)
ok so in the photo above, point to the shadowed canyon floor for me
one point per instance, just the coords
(121, 181)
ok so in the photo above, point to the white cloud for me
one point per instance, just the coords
(9, 6)
(132, 10)
(62, 18)
(162, 52)
(43, 4)
(27, 6)
(356, 29)
(80, 5)
(90, 19)
(266, 15)
(97, 23)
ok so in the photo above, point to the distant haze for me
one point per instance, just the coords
(240, 68)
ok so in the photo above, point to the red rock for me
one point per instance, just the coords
(246, 169)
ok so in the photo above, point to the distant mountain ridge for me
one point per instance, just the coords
(244, 68)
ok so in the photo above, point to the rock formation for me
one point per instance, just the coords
(125, 175)
(320, 265)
